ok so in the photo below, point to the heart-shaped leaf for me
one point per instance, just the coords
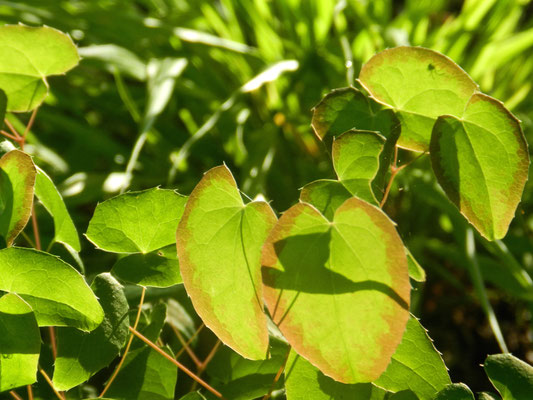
(28, 55)
(419, 85)
(81, 354)
(339, 290)
(137, 222)
(481, 161)
(511, 376)
(56, 292)
(17, 180)
(20, 343)
(219, 241)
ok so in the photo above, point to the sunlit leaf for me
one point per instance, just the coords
(416, 365)
(219, 243)
(481, 161)
(17, 180)
(304, 381)
(419, 85)
(137, 222)
(20, 343)
(64, 229)
(511, 376)
(27, 57)
(81, 354)
(347, 313)
(56, 292)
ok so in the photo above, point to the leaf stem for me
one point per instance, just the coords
(12, 129)
(202, 325)
(185, 345)
(47, 378)
(15, 395)
(30, 392)
(176, 363)
(278, 375)
(10, 136)
(28, 127)
(117, 369)
(206, 362)
(479, 286)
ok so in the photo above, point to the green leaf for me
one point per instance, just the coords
(358, 157)
(17, 180)
(416, 365)
(56, 292)
(20, 343)
(28, 56)
(455, 391)
(240, 379)
(419, 85)
(137, 222)
(481, 161)
(144, 375)
(511, 376)
(347, 312)
(361, 160)
(403, 395)
(219, 241)
(348, 108)
(416, 271)
(304, 381)
(81, 354)
(327, 195)
(152, 269)
(152, 328)
(65, 230)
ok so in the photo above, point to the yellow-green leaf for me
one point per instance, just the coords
(27, 56)
(338, 290)
(219, 241)
(481, 161)
(419, 85)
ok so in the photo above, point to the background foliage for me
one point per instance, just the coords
(203, 56)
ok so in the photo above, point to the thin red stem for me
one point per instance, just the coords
(177, 363)
(185, 345)
(117, 369)
(15, 395)
(278, 375)
(47, 378)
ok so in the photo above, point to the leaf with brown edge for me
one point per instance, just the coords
(481, 161)
(347, 108)
(17, 181)
(219, 241)
(419, 85)
(339, 290)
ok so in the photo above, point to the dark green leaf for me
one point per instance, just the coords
(80, 354)
(511, 376)
(150, 269)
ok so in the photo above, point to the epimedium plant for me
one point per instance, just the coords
(313, 305)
